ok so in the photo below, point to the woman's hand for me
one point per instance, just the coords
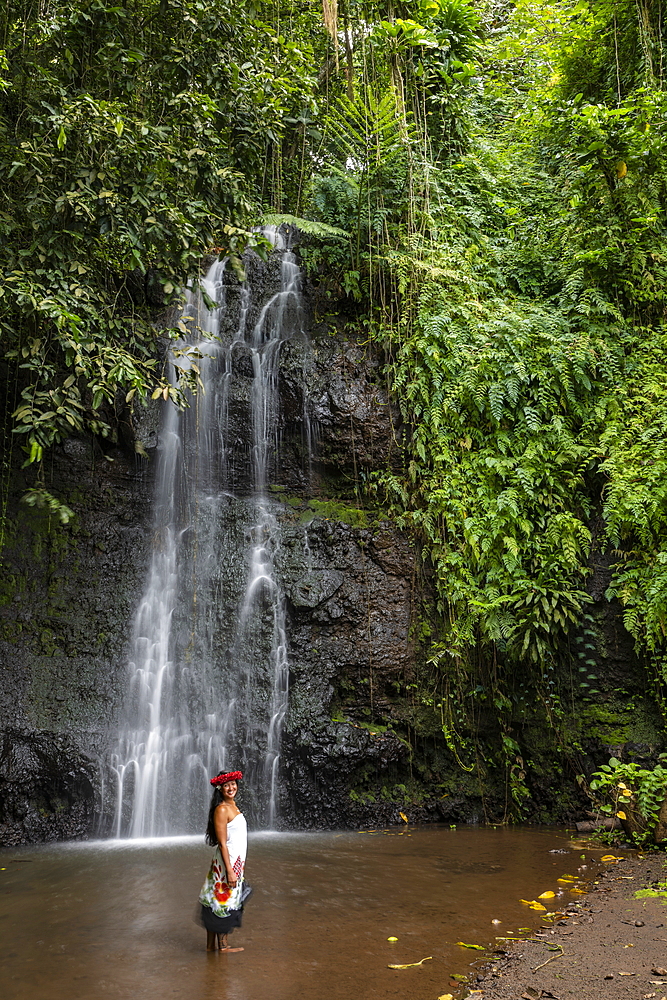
(232, 880)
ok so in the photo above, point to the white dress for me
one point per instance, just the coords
(216, 895)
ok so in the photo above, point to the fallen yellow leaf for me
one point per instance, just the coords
(546, 895)
(528, 902)
(411, 965)
(538, 906)
(392, 939)
(567, 880)
(477, 947)
(403, 817)
(446, 996)
(610, 857)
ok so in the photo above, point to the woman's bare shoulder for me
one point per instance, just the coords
(222, 811)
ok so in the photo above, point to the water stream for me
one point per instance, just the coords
(209, 673)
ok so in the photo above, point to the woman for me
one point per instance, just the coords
(222, 894)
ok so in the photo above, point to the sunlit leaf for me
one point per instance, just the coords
(411, 965)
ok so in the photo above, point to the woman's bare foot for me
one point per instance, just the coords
(224, 946)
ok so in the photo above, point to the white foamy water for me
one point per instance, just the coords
(209, 675)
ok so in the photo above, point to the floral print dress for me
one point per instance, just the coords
(216, 894)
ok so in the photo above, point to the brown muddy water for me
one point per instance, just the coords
(116, 919)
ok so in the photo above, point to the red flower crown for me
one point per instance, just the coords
(220, 779)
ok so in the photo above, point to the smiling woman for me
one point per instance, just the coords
(223, 892)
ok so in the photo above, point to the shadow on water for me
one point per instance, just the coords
(116, 919)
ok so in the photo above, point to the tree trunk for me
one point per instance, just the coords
(634, 822)
(660, 832)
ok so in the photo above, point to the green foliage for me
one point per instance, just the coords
(485, 188)
(306, 226)
(658, 892)
(634, 794)
(334, 511)
(43, 499)
(132, 141)
(518, 293)
(496, 392)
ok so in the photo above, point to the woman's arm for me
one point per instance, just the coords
(220, 823)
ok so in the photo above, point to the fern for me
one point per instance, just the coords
(319, 229)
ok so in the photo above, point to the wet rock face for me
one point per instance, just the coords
(67, 599)
(47, 788)
(69, 595)
(353, 425)
(348, 593)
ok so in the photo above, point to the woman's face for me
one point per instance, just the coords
(229, 789)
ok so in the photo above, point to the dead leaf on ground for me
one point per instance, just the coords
(411, 965)
(627, 973)
(477, 947)
(659, 971)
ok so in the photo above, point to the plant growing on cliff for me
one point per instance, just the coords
(132, 141)
(637, 796)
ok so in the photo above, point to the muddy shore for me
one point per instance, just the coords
(608, 944)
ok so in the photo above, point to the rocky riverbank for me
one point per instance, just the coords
(610, 945)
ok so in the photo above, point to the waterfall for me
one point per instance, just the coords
(209, 675)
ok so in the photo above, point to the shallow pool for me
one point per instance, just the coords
(116, 918)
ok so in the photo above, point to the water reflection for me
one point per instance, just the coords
(116, 918)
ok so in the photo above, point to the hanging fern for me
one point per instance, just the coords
(319, 229)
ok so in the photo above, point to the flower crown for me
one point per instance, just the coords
(220, 779)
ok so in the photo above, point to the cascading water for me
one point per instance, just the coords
(209, 675)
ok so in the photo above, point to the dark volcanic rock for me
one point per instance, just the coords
(69, 594)
(47, 788)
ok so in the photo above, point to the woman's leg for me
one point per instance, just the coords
(223, 944)
(210, 941)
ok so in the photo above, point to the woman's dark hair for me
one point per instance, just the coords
(216, 799)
